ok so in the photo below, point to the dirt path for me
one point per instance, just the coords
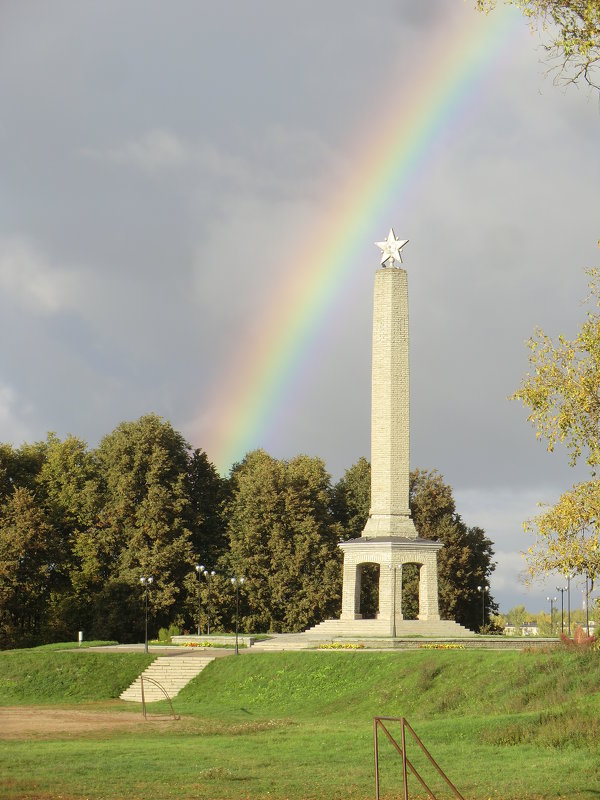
(25, 722)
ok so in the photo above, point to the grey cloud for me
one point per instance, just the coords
(163, 165)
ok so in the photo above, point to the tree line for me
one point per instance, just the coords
(79, 527)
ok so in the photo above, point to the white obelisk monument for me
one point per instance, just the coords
(390, 538)
(390, 396)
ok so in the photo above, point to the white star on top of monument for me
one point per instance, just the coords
(391, 248)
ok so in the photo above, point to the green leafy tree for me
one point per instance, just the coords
(562, 393)
(283, 540)
(517, 616)
(465, 561)
(20, 467)
(69, 482)
(29, 554)
(351, 499)
(572, 30)
(68, 490)
(142, 527)
(207, 491)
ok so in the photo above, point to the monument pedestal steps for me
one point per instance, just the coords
(381, 628)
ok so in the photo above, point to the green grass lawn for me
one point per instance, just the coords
(300, 725)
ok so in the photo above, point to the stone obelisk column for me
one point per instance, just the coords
(390, 415)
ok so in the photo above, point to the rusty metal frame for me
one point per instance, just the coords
(163, 690)
(378, 722)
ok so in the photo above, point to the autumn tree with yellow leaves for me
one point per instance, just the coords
(562, 393)
(571, 31)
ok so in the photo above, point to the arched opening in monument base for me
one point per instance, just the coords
(410, 590)
(369, 590)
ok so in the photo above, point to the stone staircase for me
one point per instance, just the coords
(173, 673)
(372, 632)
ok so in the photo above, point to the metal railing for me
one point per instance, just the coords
(163, 690)
(378, 722)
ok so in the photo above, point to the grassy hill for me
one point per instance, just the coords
(53, 674)
(299, 725)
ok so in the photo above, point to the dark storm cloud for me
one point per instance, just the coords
(156, 156)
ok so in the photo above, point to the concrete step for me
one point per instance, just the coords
(377, 627)
(173, 673)
(293, 641)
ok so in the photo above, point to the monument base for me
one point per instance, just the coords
(368, 628)
(385, 525)
(391, 554)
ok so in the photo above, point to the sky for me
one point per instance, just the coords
(189, 202)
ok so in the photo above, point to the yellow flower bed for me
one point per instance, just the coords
(341, 646)
(199, 644)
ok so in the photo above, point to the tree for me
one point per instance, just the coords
(142, 503)
(207, 492)
(68, 479)
(142, 527)
(567, 537)
(20, 467)
(517, 616)
(351, 499)
(562, 393)
(562, 389)
(465, 560)
(283, 540)
(574, 31)
(67, 488)
(28, 559)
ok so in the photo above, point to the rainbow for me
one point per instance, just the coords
(455, 70)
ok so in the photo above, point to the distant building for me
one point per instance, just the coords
(529, 629)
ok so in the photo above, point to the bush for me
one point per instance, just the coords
(165, 634)
(580, 640)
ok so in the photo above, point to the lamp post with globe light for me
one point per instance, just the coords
(203, 572)
(483, 589)
(562, 590)
(551, 600)
(569, 603)
(200, 570)
(209, 577)
(146, 581)
(237, 582)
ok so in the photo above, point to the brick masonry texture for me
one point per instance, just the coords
(390, 411)
(390, 537)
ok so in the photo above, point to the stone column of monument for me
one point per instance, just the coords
(390, 395)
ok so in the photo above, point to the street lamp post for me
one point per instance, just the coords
(209, 577)
(146, 581)
(587, 603)
(551, 600)
(562, 590)
(237, 582)
(203, 572)
(200, 571)
(569, 603)
(483, 589)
